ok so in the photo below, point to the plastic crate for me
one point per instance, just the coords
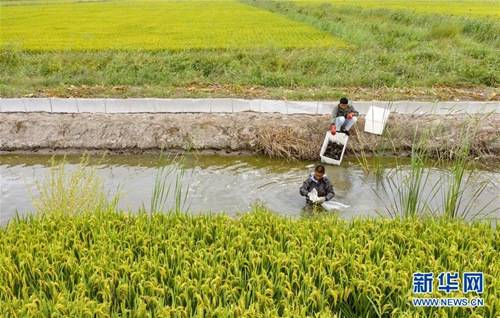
(340, 138)
(375, 120)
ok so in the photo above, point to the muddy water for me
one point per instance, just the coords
(230, 184)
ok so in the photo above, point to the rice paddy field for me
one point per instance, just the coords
(318, 49)
(112, 264)
(153, 25)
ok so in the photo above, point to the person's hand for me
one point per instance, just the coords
(349, 116)
(333, 129)
(321, 199)
(313, 196)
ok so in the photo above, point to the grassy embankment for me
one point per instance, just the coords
(299, 50)
(485, 8)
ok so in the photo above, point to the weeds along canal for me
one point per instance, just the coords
(230, 184)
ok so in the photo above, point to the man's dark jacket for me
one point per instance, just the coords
(348, 109)
(324, 188)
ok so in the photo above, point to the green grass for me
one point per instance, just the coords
(153, 25)
(111, 264)
(407, 188)
(385, 49)
(480, 8)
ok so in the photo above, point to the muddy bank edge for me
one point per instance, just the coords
(277, 135)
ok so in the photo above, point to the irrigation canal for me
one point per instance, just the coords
(233, 184)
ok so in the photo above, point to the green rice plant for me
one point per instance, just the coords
(406, 189)
(371, 163)
(72, 192)
(181, 195)
(452, 197)
(111, 263)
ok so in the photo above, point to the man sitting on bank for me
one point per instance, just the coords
(320, 182)
(345, 117)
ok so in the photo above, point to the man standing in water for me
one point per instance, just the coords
(320, 182)
(345, 117)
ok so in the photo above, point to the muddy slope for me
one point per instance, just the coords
(297, 136)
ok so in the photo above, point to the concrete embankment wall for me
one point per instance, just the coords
(281, 135)
(231, 105)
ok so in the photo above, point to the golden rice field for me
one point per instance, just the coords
(478, 8)
(249, 48)
(152, 25)
(110, 264)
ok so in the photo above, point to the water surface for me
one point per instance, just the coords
(226, 184)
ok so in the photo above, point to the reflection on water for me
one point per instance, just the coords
(215, 183)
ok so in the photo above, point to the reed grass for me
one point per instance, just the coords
(409, 189)
(165, 189)
(458, 180)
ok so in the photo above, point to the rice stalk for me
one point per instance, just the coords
(260, 264)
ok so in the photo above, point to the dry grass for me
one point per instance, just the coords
(289, 143)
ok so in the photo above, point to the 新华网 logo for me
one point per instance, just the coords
(447, 282)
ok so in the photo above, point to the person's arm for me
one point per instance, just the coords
(334, 115)
(329, 191)
(304, 189)
(354, 111)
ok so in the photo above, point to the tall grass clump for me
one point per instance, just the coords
(406, 188)
(416, 189)
(164, 188)
(72, 191)
(458, 179)
(111, 264)
(444, 31)
(9, 57)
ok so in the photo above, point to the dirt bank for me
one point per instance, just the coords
(296, 136)
(432, 94)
